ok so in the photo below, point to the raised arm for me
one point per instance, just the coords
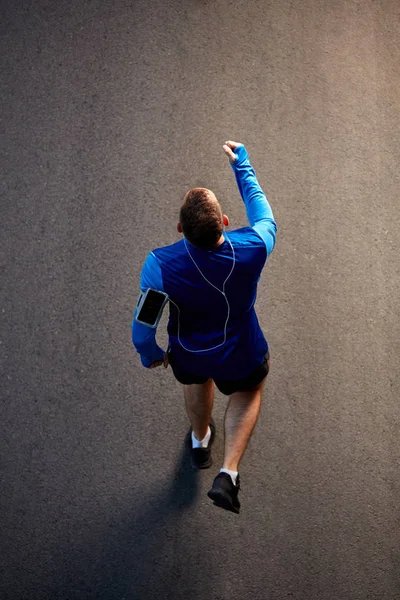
(258, 209)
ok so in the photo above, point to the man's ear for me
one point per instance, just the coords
(179, 227)
(226, 221)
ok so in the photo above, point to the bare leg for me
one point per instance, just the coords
(199, 400)
(240, 419)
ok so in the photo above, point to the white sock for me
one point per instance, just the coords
(233, 474)
(201, 443)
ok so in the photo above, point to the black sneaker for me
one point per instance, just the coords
(201, 457)
(225, 493)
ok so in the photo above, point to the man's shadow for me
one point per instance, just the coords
(148, 554)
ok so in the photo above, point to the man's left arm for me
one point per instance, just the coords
(143, 337)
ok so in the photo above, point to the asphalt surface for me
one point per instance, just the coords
(110, 112)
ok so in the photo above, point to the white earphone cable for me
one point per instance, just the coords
(214, 286)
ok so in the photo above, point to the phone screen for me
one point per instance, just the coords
(151, 307)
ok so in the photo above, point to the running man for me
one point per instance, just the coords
(214, 336)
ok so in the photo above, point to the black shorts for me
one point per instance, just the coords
(226, 387)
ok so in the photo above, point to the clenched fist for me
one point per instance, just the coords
(228, 149)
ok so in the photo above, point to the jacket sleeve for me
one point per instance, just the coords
(143, 337)
(258, 209)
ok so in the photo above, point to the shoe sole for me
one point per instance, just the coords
(223, 500)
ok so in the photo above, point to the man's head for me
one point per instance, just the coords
(201, 219)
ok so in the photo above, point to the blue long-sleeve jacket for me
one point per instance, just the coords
(203, 310)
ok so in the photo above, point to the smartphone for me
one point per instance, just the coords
(150, 307)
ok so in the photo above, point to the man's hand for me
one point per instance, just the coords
(228, 149)
(158, 363)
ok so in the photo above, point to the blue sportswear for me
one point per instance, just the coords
(203, 309)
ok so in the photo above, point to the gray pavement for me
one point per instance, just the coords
(109, 112)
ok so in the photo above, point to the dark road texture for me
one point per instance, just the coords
(110, 112)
